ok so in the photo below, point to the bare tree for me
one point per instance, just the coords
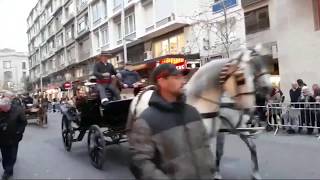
(222, 27)
(27, 84)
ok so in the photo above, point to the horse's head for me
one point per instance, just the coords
(260, 64)
(250, 76)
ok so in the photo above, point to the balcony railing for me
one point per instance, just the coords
(150, 28)
(117, 8)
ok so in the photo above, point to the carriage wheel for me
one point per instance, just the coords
(96, 146)
(66, 130)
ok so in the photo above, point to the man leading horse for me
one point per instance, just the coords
(239, 78)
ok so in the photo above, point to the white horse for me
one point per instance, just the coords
(239, 79)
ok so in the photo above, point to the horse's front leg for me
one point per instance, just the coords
(253, 152)
(219, 153)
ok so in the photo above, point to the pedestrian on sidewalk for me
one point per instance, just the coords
(316, 90)
(169, 140)
(307, 114)
(12, 126)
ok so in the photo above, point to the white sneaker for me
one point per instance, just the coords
(104, 100)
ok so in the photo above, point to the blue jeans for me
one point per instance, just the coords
(102, 91)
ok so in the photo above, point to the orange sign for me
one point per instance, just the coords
(179, 62)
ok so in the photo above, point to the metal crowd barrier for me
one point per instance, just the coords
(294, 115)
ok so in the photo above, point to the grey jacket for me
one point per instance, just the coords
(100, 68)
(169, 141)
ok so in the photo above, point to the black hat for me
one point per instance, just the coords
(166, 70)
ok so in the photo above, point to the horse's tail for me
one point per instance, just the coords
(132, 116)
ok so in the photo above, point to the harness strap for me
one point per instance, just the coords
(245, 93)
(209, 115)
(261, 74)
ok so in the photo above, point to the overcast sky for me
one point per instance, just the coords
(13, 23)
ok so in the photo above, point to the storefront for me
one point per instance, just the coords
(181, 61)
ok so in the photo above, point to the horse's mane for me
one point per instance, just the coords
(206, 77)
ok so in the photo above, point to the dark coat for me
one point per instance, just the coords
(295, 95)
(100, 68)
(169, 141)
(12, 126)
(27, 100)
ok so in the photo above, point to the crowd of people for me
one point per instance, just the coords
(303, 109)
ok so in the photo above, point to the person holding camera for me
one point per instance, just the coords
(12, 126)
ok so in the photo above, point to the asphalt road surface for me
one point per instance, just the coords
(42, 156)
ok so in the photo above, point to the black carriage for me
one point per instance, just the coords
(105, 125)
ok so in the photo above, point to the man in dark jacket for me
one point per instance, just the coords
(27, 99)
(295, 92)
(169, 140)
(105, 72)
(12, 126)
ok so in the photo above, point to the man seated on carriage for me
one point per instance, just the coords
(105, 73)
(27, 99)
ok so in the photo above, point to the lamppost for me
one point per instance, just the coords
(41, 85)
(125, 58)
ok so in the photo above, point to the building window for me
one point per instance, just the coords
(44, 51)
(82, 24)
(257, 20)
(79, 72)
(97, 39)
(316, 12)
(24, 65)
(84, 49)
(61, 59)
(83, 1)
(43, 36)
(117, 3)
(105, 35)
(60, 40)
(70, 33)
(96, 14)
(71, 55)
(8, 75)
(58, 21)
(130, 24)
(119, 31)
(6, 64)
(51, 46)
(66, 10)
(24, 75)
(172, 45)
(105, 7)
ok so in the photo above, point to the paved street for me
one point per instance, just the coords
(41, 155)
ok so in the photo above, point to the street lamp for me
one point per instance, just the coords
(125, 58)
(41, 77)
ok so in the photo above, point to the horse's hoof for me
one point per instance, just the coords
(256, 176)
(217, 176)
